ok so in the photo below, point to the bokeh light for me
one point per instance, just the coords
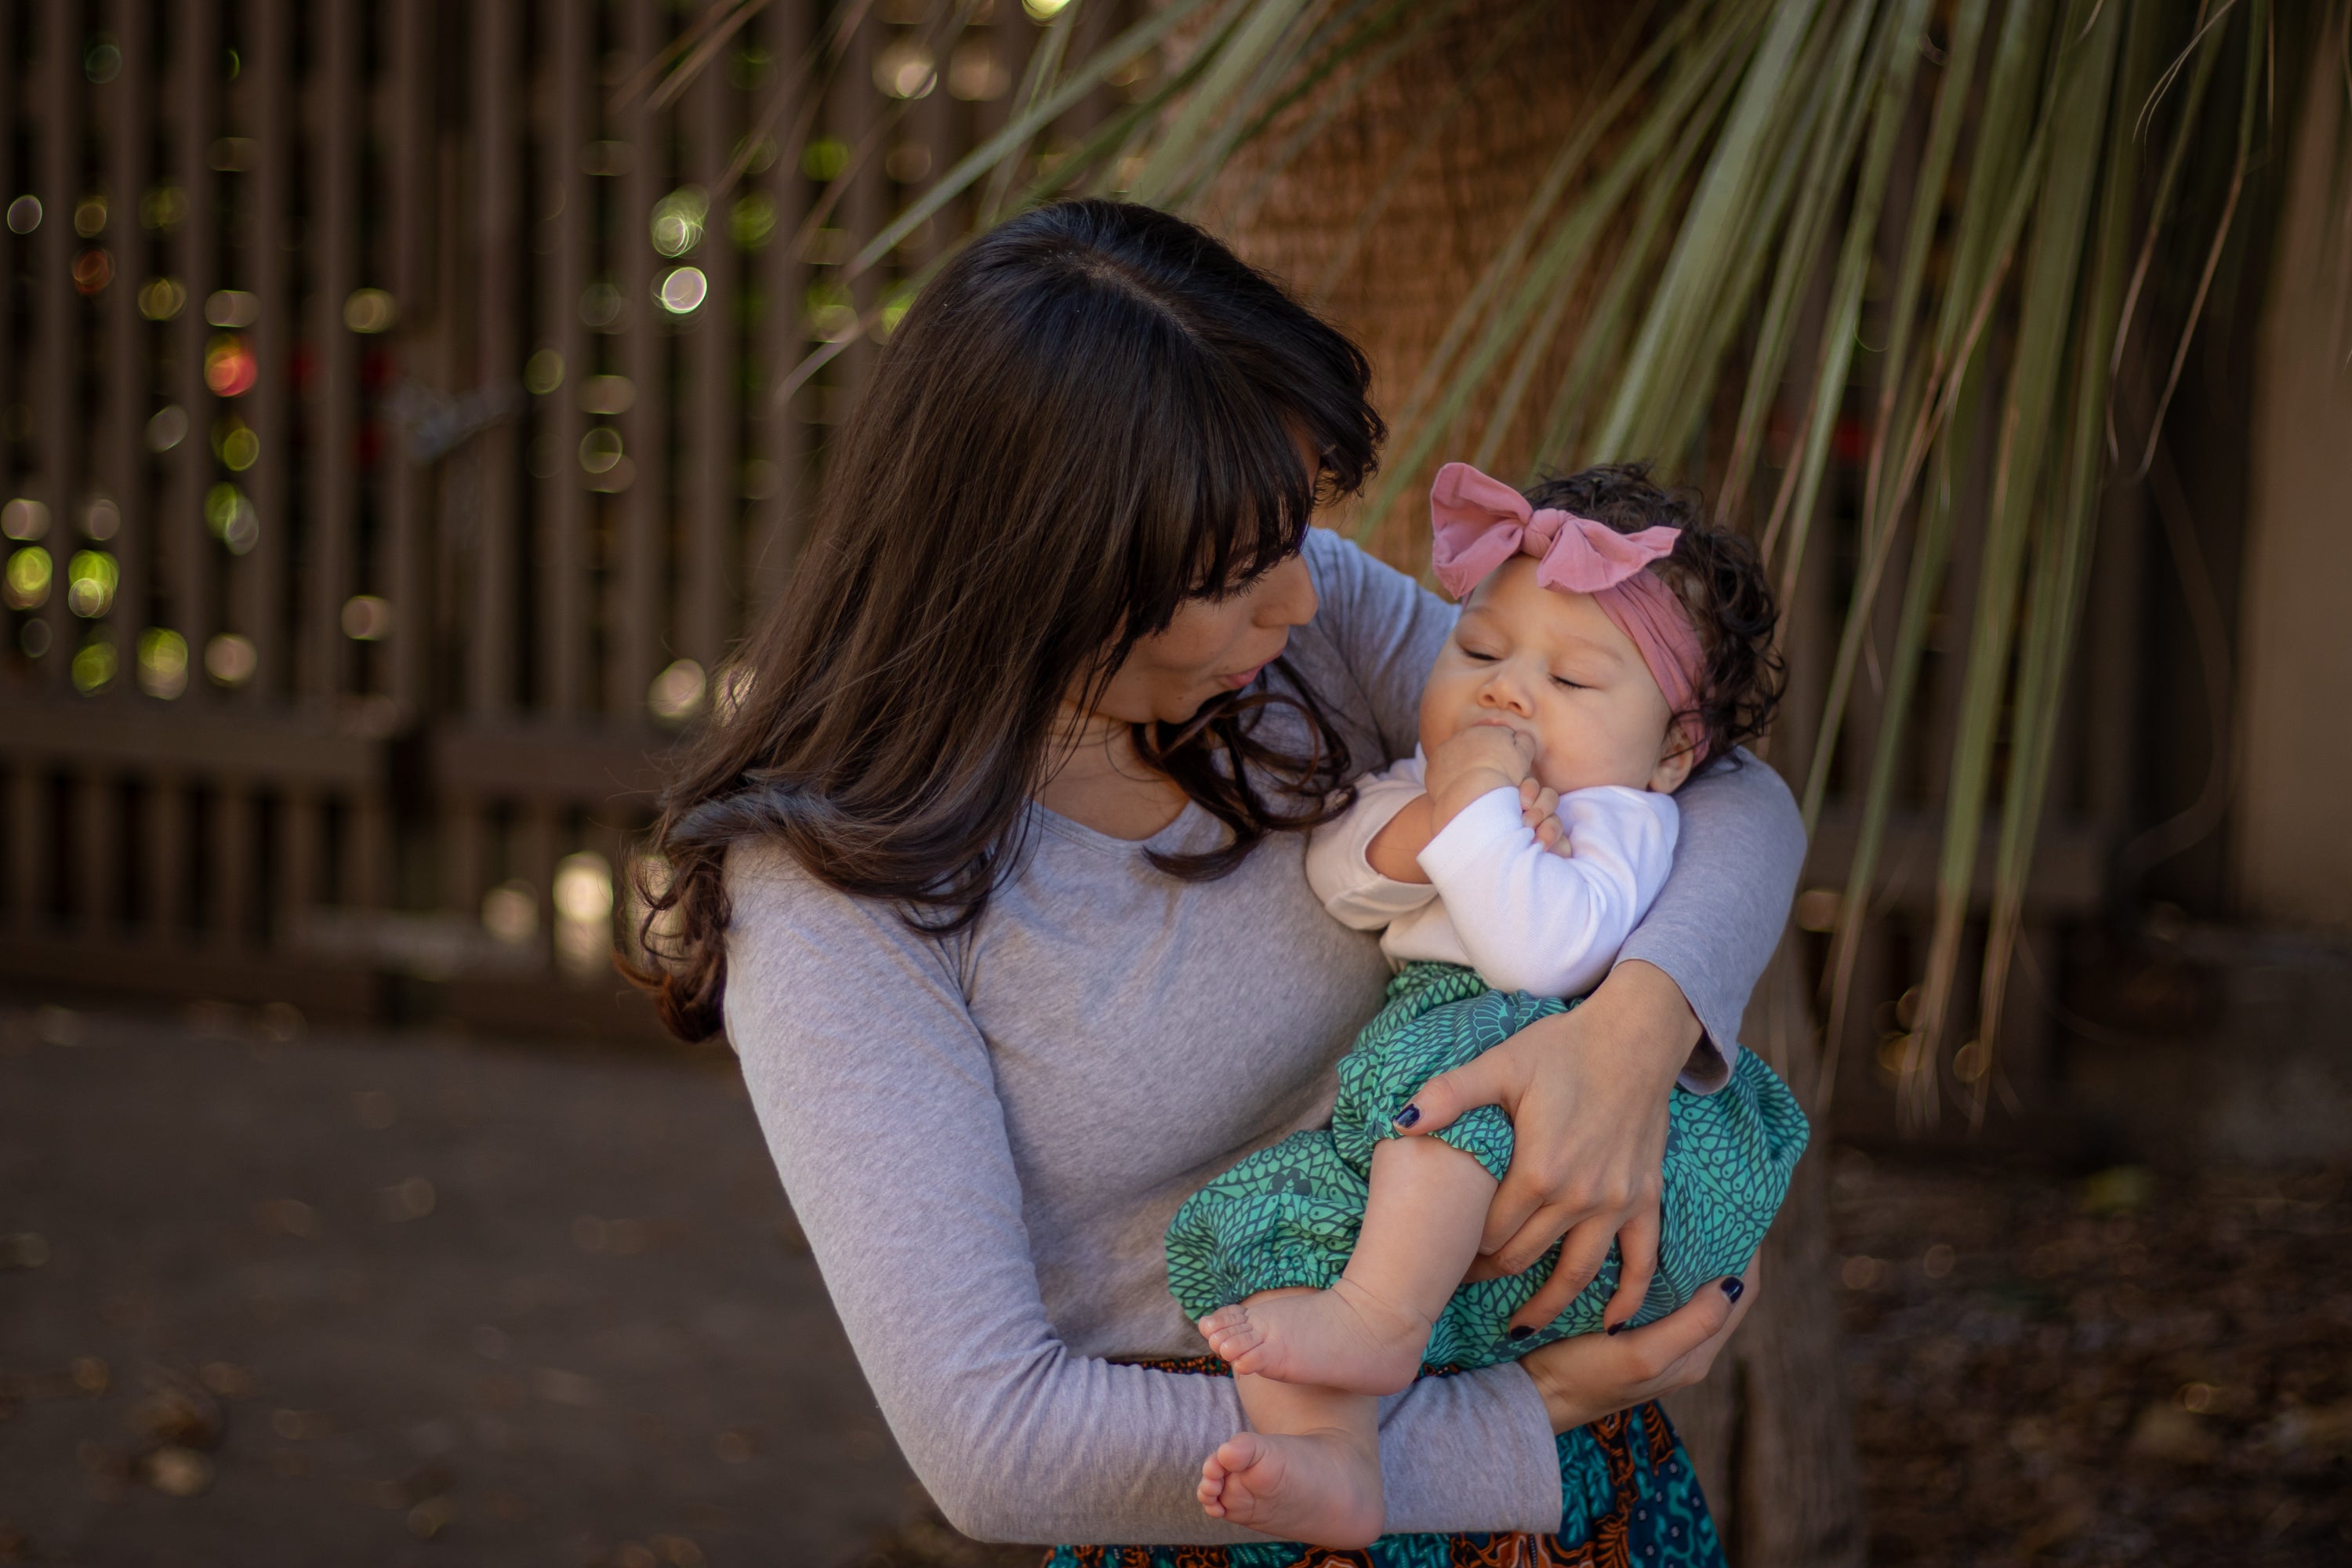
(752, 221)
(544, 372)
(602, 306)
(599, 449)
(230, 659)
(101, 519)
(367, 618)
(905, 69)
(1044, 10)
(975, 72)
(168, 428)
(607, 395)
(93, 271)
(238, 446)
(510, 914)
(28, 576)
(93, 665)
(162, 662)
(231, 308)
(160, 298)
(91, 577)
(370, 310)
(825, 158)
(230, 369)
(24, 518)
(23, 215)
(230, 515)
(677, 693)
(163, 209)
(678, 219)
(583, 912)
(682, 290)
(90, 216)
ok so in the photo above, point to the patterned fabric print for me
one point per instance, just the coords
(1290, 1215)
(1632, 1502)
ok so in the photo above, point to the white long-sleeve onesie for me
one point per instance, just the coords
(1525, 917)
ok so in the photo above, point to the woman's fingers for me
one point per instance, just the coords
(1581, 1257)
(1637, 1246)
(1487, 1080)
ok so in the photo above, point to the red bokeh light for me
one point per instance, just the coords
(230, 369)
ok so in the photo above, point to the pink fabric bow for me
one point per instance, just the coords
(1481, 522)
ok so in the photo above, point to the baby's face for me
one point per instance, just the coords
(1552, 666)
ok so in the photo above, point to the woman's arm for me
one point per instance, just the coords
(1587, 1090)
(879, 1103)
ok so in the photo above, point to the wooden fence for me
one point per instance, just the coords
(390, 450)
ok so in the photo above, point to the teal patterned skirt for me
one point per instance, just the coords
(1288, 1215)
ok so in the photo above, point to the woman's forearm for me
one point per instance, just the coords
(1720, 916)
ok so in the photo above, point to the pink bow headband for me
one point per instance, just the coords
(1481, 522)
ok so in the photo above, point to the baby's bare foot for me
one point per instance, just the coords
(1344, 1338)
(1317, 1488)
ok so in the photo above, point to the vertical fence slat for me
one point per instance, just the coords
(778, 431)
(707, 415)
(237, 842)
(262, 610)
(498, 256)
(164, 872)
(327, 98)
(300, 834)
(13, 86)
(186, 554)
(27, 837)
(58, 313)
(400, 568)
(125, 101)
(642, 511)
(97, 869)
(561, 676)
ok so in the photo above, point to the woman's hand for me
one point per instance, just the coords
(1583, 1379)
(1586, 1092)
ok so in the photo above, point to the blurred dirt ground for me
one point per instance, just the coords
(271, 1295)
(277, 1295)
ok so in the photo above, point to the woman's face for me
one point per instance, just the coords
(1213, 646)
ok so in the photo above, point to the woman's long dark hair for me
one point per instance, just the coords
(1094, 412)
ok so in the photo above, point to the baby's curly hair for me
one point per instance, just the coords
(1721, 582)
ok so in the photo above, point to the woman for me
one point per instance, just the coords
(995, 881)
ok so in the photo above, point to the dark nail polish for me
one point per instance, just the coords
(1733, 1287)
(1620, 1328)
(1520, 1330)
(1408, 1116)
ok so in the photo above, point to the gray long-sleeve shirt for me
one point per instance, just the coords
(985, 1136)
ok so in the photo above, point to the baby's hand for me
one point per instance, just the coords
(1540, 809)
(1480, 759)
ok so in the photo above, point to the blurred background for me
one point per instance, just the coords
(405, 404)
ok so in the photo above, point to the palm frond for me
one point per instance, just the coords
(1772, 224)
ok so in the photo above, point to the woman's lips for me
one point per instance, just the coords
(1235, 681)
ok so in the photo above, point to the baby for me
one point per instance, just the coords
(1599, 659)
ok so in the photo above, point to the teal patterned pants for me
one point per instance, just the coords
(1288, 1215)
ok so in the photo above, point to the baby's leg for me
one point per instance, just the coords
(1365, 1334)
(1308, 1470)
